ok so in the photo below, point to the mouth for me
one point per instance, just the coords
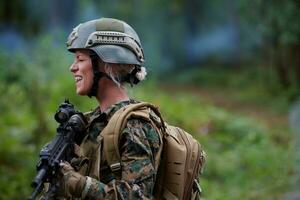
(78, 78)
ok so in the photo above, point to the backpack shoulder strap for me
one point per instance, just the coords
(111, 133)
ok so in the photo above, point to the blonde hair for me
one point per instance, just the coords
(117, 72)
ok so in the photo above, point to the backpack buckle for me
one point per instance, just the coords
(115, 167)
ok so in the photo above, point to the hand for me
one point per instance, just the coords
(72, 182)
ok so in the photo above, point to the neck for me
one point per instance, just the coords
(109, 94)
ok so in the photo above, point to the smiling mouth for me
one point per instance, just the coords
(78, 78)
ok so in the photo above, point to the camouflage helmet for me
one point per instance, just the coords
(114, 41)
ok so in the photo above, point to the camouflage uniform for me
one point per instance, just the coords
(139, 144)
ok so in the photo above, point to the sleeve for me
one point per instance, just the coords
(139, 144)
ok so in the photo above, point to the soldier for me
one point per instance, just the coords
(108, 54)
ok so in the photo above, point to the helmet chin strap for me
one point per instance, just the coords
(97, 75)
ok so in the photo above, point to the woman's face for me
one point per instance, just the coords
(82, 71)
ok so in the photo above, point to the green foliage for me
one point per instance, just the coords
(256, 85)
(245, 158)
(274, 18)
(31, 90)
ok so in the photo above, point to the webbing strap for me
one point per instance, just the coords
(97, 74)
(111, 133)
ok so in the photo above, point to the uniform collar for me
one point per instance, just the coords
(108, 113)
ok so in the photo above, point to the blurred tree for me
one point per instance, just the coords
(33, 17)
(280, 26)
(62, 14)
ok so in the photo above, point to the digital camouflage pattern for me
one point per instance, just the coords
(139, 144)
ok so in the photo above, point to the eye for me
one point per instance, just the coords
(80, 58)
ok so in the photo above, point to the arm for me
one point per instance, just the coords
(138, 146)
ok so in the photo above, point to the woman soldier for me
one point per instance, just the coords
(108, 54)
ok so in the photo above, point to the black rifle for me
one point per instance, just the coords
(72, 125)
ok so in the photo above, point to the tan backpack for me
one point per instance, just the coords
(181, 160)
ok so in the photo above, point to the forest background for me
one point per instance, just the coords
(227, 71)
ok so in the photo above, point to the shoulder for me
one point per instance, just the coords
(139, 133)
(148, 127)
(139, 127)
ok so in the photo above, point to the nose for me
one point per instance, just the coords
(73, 67)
